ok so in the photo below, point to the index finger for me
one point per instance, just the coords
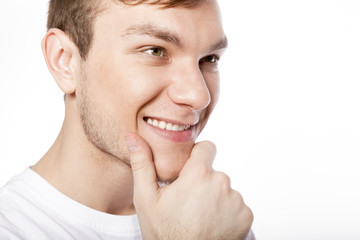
(201, 158)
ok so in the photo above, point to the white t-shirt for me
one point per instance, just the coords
(31, 208)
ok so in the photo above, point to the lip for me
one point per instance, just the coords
(174, 136)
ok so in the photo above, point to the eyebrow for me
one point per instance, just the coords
(155, 32)
(223, 43)
(167, 36)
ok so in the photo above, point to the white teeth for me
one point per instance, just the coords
(162, 125)
(175, 127)
(167, 126)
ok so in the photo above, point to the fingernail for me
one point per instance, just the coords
(132, 144)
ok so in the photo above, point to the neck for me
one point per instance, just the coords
(86, 174)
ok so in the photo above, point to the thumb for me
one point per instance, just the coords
(142, 165)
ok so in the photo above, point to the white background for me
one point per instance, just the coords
(287, 125)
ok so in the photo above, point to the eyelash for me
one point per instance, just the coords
(162, 51)
(212, 59)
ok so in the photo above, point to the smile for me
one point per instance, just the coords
(167, 126)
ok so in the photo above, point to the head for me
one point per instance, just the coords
(76, 17)
(143, 66)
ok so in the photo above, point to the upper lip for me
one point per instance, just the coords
(167, 120)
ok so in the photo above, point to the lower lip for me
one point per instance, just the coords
(175, 136)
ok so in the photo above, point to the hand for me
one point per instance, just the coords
(199, 204)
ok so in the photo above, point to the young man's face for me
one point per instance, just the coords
(150, 66)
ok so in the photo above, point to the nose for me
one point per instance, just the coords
(188, 87)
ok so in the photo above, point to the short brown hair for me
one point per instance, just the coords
(76, 17)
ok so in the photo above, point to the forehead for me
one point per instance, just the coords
(202, 22)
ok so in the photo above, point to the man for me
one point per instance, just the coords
(140, 80)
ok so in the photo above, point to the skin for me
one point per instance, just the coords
(144, 62)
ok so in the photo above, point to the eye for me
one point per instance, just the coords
(210, 59)
(156, 52)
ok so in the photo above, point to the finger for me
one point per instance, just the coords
(142, 165)
(201, 158)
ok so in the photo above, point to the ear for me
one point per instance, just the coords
(63, 59)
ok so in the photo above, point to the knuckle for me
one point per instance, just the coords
(238, 198)
(138, 165)
(245, 211)
(206, 146)
(211, 147)
(223, 181)
(248, 214)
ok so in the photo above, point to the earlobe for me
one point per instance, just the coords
(63, 59)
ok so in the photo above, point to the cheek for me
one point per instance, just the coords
(213, 84)
(122, 91)
(214, 88)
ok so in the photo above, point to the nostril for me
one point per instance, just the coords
(196, 96)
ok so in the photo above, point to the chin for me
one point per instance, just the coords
(169, 162)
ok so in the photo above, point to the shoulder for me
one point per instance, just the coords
(9, 212)
(17, 207)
